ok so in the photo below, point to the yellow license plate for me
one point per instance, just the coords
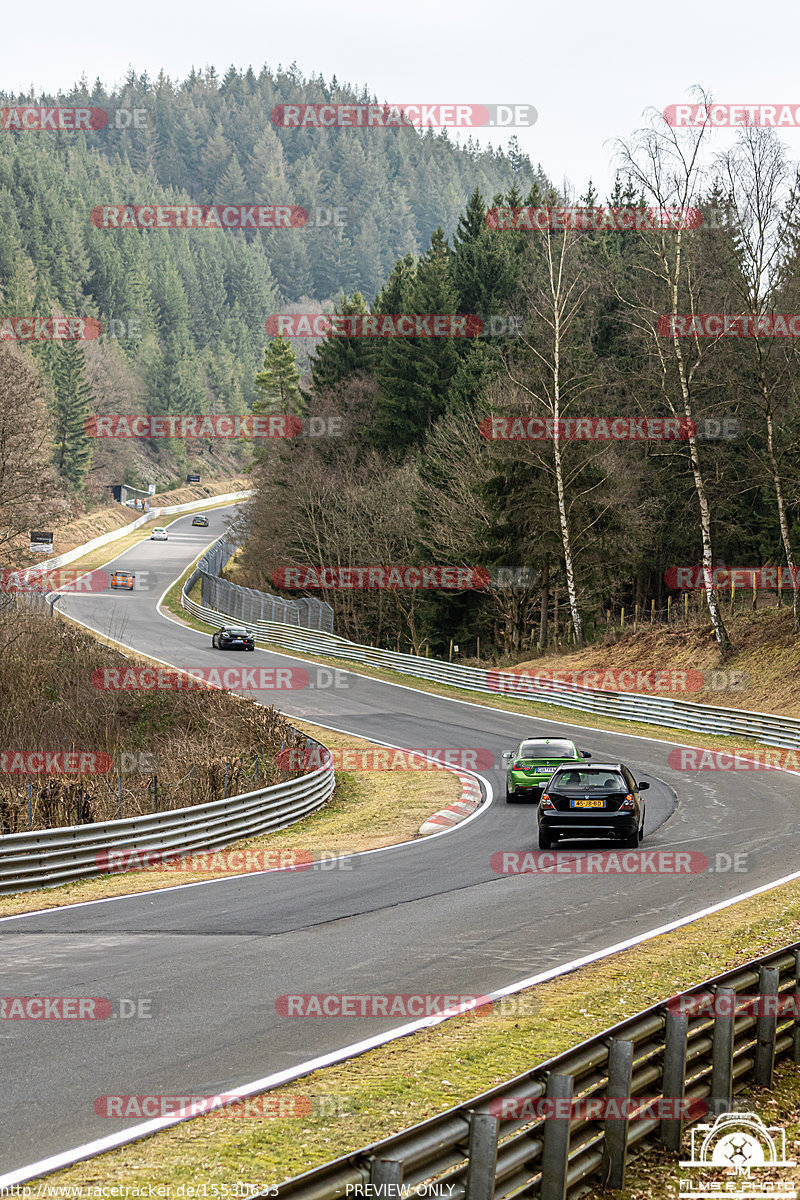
(588, 804)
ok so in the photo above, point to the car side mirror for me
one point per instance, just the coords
(642, 787)
(586, 754)
(508, 754)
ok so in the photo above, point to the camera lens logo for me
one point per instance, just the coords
(741, 1143)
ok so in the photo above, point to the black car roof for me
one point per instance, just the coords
(595, 766)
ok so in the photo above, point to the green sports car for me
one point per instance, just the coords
(533, 762)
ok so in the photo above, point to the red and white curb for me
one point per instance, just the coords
(471, 797)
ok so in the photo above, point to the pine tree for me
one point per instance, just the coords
(339, 357)
(278, 383)
(414, 373)
(72, 406)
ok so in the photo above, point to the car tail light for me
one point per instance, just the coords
(517, 766)
(547, 802)
(627, 802)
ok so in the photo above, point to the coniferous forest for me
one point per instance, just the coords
(585, 328)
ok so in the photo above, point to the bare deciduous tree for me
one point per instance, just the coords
(665, 165)
(761, 206)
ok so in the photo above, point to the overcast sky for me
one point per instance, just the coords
(591, 69)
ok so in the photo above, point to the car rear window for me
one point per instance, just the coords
(236, 629)
(604, 781)
(549, 749)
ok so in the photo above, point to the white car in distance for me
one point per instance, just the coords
(159, 534)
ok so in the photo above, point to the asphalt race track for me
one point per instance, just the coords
(427, 917)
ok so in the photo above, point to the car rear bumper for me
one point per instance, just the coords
(529, 790)
(601, 824)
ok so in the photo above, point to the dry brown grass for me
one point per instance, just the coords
(368, 809)
(766, 652)
(50, 703)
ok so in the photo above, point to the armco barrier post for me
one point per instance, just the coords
(766, 1026)
(722, 1054)
(674, 1076)
(482, 1156)
(615, 1133)
(387, 1176)
(555, 1148)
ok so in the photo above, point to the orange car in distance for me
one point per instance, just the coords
(123, 579)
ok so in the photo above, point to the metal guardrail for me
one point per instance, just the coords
(622, 706)
(48, 857)
(250, 605)
(663, 1053)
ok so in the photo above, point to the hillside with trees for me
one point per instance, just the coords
(596, 523)
(183, 312)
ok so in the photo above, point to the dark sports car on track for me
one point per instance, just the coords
(234, 637)
(597, 801)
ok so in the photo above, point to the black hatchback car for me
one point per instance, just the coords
(597, 801)
(234, 637)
